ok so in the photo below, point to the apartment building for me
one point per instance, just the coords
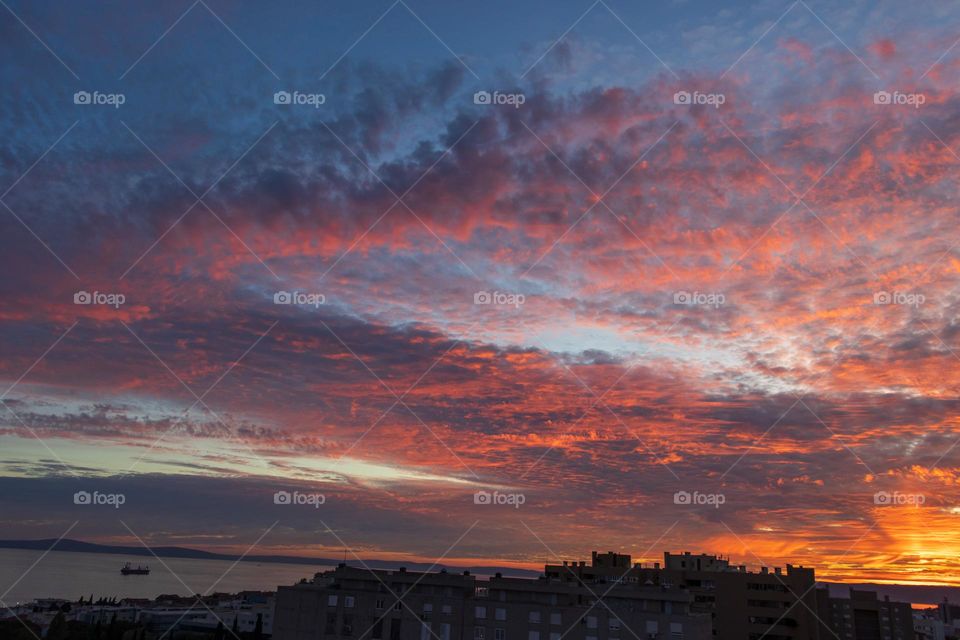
(351, 603)
(864, 616)
(742, 605)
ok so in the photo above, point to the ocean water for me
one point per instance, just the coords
(62, 574)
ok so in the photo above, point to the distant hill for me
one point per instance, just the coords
(78, 546)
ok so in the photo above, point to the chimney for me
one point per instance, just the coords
(764, 570)
(777, 571)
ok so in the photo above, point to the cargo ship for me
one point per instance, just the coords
(127, 570)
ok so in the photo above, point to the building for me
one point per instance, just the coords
(949, 614)
(928, 627)
(351, 603)
(610, 598)
(742, 605)
(864, 616)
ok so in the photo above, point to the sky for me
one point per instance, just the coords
(498, 282)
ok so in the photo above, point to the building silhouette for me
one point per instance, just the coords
(864, 616)
(351, 603)
(773, 605)
(688, 597)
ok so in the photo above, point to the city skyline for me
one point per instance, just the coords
(476, 284)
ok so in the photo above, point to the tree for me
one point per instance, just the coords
(58, 628)
(112, 631)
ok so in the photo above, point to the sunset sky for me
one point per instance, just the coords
(790, 168)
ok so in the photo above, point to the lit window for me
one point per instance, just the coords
(331, 601)
(534, 617)
(501, 614)
(480, 613)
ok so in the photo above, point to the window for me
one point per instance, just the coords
(398, 605)
(377, 633)
(614, 624)
(444, 631)
(652, 626)
(500, 614)
(478, 633)
(499, 634)
(533, 635)
(591, 622)
(331, 627)
(348, 601)
(446, 609)
(554, 635)
(534, 617)
(480, 613)
(425, 631)
(347, 628)
(331, 601)
(555, 617)
(676, 631)
(379, 604)
(427, 609)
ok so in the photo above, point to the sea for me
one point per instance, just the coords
(26, 575)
